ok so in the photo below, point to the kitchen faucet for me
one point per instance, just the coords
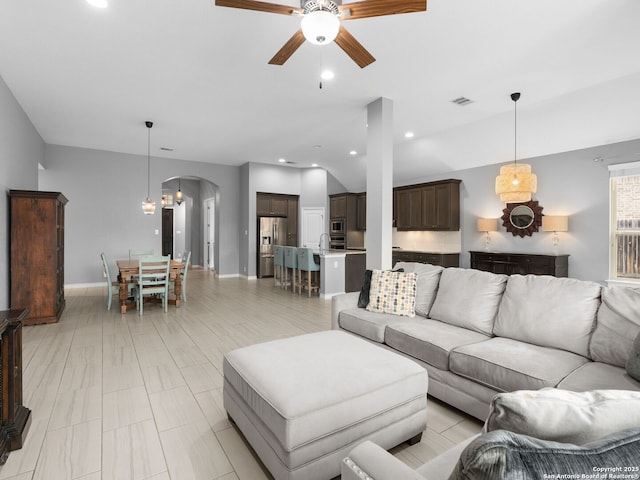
(323, 250)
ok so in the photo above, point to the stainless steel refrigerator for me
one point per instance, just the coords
(271, 231)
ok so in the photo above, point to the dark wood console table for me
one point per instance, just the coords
(16, 418)
(521, 263)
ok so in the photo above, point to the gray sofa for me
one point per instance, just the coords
(479, 334)
(529, 435)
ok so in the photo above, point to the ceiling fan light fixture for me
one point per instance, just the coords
(320, 27)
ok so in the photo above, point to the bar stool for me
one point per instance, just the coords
(290, 263)
(306, 263)
(278, 264)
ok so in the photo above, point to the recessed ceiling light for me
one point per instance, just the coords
(327, 75)
(314, 164)
(409, 135)
(353, 152)
(98, 3)
(282, 160)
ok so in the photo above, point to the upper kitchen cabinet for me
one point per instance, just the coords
(270, 204)
(338, 205)
(361, 211)
(428, 206)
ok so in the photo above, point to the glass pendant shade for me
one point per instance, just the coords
(516, 183)
(179, 198)
(149, 206)
(320, 27)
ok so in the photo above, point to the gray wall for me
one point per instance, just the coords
(570, 184)
(21, 149)
(105, 191)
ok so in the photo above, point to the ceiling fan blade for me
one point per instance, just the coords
(259, 6)
(377, 8)
(288, 49)
(353, 48)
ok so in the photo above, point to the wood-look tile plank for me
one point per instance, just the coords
(76, 406)
(124, 407)
(70, 452)
(244, 463)
(202, 377)
(174, 408)
(132, 452)
(194, 460)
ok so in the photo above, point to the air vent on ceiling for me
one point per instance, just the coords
(289, 162)
(166, 149)
(462, 101)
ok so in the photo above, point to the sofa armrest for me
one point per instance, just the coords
(368, 461)
(342, 302)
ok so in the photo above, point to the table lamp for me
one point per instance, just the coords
(487, 225)
(555, 224)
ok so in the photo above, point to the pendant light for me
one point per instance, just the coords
(148, 206)
(516, 183)
(179, 198)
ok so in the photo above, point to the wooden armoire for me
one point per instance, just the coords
(37, 254)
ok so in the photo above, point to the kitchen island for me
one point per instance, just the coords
(341, 271)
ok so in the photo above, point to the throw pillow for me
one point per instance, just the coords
(633, 361)
(393, 292)
(503, 454)
(363, 298)
(564, 416)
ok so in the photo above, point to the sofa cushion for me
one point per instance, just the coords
(618, 323)
(363, 298)
(633, 362)
(429, 340)
(563, 415)
(468, 298)
(367, 324)
(393, 292)
(503, 454)
(549, 312)
(507, 365)
(426, 285)
(596, 375)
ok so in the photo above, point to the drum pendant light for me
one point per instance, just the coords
(516, 183)
(148, 206)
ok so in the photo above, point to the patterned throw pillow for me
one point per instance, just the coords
(393, 292)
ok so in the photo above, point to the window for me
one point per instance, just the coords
(625, 222)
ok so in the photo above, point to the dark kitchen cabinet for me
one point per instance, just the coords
(428, 206)
(271, 204)
(361, 211)
(338, 205)
(292, 221)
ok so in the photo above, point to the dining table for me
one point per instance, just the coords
(128, 270)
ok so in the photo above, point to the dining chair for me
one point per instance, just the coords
(278, 265)
(186, 258)
(135, 254)
(306, 263)
(112, 287)
(290, 263)
(153, 279)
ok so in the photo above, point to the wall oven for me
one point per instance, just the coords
(337, 242)
(337, 226)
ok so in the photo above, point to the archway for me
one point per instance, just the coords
(195, 220)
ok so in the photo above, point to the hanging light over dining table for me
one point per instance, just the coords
(516, 183)
(148, 206)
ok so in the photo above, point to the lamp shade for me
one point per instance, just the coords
(555, 223)
(516, 183)
(320, 27)
(487, 224)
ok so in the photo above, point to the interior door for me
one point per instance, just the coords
(167, 232)
(313, 227)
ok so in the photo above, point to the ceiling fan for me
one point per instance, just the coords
(321, 22)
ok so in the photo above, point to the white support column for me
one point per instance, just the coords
(379, 183)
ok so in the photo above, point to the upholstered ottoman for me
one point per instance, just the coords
(304, 402)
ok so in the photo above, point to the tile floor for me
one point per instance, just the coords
(127, 397)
